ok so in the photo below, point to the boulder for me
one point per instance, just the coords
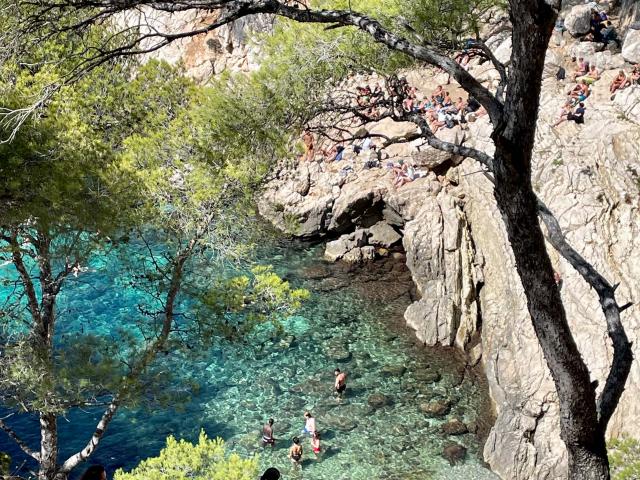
(436, 408)
(454, 453)
(394, 371)
(628, 100)
(368, 253)
(337, 249)
(378, 400)
(631, 46)
(343, 246)
(359, 203)
(383, 235)
(455, 426)
(578, 20)
(353, 256)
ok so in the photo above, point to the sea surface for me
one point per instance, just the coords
(353, 321)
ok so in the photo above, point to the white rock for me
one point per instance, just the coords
(631, 46)
(383, 235)
(578, 20)
(629, 102)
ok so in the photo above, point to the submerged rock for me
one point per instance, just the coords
(338, 352)
(378, 400)
(454, 453)
(395, 371)
(436, 408)
(454, 426)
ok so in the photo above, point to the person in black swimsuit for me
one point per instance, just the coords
(341, 382)
(295, 453)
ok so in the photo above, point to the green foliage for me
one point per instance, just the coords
(5, 463)
(234, 307)
(624, 458)
(181, 460)
(446, 23)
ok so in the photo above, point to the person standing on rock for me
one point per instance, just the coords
(341, 382)
(267, 434)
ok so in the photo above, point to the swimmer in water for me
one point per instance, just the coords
(295, 453)
(341, 382)
(315, 443)
(267, 434)
(310, 424)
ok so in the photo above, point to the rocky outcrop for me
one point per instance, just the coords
(631, 45)
(578, 20)
(227, 48)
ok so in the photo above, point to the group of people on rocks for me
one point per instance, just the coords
(585, 76)
(296, 451)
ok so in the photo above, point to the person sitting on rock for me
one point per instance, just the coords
(435, 123)
(595, 31)
(439, 94)
(609, 34)
(582, 69)
(564, 112)
(576, 115)
(460, 105)
(635, 74)
(592, 76)
(620, 82)
(580, 92)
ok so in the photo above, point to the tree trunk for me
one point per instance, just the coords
(48, 446)
(514, 140)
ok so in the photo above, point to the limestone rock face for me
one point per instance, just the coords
(578, 20)
(440, 258)
(631, 46)
(383, 235)
(203, 56)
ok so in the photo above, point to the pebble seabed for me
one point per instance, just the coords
(401, 399)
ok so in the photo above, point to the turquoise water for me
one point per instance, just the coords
(354, 321)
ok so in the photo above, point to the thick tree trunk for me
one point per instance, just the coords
(48, 446)
(514, 139)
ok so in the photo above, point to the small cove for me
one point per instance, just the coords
(354, 321)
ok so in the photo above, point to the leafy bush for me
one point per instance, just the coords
(182, 460)
(624, 459)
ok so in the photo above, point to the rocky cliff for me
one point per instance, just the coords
(460, 258)
(233, 47)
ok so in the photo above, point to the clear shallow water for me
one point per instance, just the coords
(354, 321)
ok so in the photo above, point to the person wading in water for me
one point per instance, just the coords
(267, 434)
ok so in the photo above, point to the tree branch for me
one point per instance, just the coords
(622, 353)
(32, 298)
(14, 436)
(74, 460)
